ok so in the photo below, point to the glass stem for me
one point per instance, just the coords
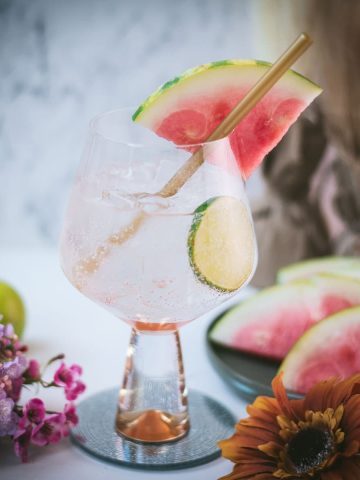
(152, 403)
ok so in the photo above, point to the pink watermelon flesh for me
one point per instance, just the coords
(279, 340)
(252, 139)
(333, 303)
(273, 331)
(340, 359)
(329, 349)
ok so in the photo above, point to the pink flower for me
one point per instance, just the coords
(68, 377)
(32, 373)
(70, 413)
(32, 424)
(76, 389)
(49, 431)
(34, 411)
(71, 419)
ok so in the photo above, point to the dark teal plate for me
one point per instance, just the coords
(249, 375)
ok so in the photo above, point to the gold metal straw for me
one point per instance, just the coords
(256, 93)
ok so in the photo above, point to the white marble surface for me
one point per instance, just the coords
(60, 319)
(61, 62)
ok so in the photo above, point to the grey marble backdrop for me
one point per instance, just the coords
(61, 62)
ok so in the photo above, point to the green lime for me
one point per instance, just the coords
(221, 243)
(12, 308)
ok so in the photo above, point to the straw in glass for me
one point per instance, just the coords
(256, 93)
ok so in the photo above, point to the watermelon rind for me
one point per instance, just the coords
(321, 334)
(250, 69)
(345, 266)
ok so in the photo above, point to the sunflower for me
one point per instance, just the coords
(313, 438)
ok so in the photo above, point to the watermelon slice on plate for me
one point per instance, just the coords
(345, 266)
(270, 322)
(328, 349)
(187, 109)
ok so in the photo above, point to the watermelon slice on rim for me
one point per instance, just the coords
(187, 109)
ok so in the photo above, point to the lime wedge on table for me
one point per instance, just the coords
(187, 109)
(221, 243)
(12, 308)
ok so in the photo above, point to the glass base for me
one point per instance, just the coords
(152, 426)
(153, 404)
(96, 434)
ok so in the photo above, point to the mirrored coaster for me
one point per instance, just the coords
(95, 433)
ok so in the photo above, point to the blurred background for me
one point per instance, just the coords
(63, 62)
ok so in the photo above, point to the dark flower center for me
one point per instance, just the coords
(309, 448)
(65, 376)
(46, 429)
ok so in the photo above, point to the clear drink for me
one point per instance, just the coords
(132, 250)
(147, 280)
